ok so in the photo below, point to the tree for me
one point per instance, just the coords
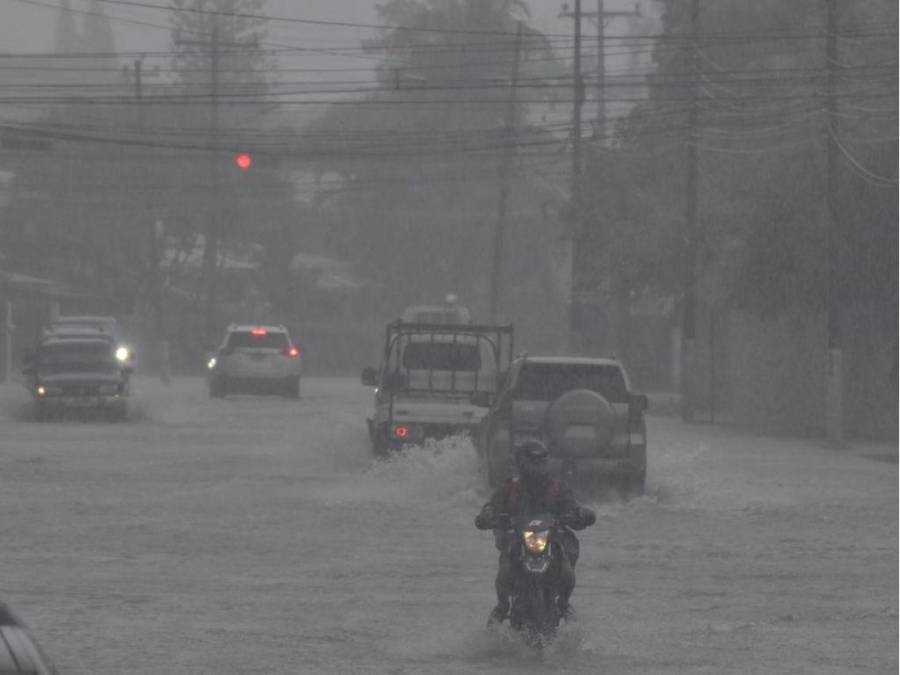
(419, 156)
(223, 70)
(761, 86)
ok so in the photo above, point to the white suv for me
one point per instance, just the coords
(255, 360)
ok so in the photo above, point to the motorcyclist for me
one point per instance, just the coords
(532, 492)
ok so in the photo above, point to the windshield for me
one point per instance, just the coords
(260, 340)
(548, 381)
(75, 357)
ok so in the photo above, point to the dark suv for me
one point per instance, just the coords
(77, 373)
(583, 408)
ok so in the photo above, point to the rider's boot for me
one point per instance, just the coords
(567, 612)
(567, 585)
(499, 613)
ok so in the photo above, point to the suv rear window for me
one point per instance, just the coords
(249, 340)
(547, 381)
(441, 356)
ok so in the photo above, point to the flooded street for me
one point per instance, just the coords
(257, 535)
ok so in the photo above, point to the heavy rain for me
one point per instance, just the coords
(291, 292)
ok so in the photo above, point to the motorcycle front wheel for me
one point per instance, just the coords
(537, 617)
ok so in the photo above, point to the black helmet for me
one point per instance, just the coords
(532, 459)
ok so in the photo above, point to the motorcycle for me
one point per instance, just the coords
(535, 558)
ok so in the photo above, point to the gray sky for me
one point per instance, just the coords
(27, 27)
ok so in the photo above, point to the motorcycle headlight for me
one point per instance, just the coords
(122, 354)
(535, 542)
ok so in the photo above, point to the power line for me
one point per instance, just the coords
(511, 34)
(873, 177)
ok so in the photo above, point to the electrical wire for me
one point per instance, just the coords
(871, 176)
(388, 27)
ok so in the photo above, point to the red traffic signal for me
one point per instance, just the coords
(244, 161)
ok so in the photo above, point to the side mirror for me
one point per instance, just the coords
(640, 401)
(482, 399)
(369, 377)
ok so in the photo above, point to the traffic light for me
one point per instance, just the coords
(244, 161)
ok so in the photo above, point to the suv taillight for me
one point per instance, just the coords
(635, 415)
(293, 352)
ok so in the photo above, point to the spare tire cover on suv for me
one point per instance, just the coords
(580, 422)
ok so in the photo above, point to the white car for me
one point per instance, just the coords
(255, 360)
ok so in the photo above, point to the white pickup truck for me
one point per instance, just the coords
(430, 379)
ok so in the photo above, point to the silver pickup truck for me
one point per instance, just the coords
(430, 378)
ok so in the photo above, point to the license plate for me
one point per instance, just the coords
(88, 402)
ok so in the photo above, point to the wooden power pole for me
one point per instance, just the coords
(834, 405)
(689, 238)
(508, 151)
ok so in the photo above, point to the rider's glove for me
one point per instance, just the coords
(486, 520)
(579, 518)
(586, 516)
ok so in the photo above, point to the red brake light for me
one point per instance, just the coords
(401, 431)
(258, 332)
(294, 352)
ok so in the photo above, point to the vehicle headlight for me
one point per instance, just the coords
(122, 354)
(106, 389)
(211, 363)
(535, 542)
(43, 390)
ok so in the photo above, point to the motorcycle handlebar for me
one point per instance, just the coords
(577, 520)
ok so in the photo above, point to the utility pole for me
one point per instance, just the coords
(616, 308)
(576, 338)
(601, 17)
(211, 236)
(139, 93)
(581, 252)
(153, 247)
(505, 165)
(689, 238)
(834, 404)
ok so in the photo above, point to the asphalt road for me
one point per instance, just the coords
(256, 535)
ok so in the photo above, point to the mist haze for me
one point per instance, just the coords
(704, 192)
